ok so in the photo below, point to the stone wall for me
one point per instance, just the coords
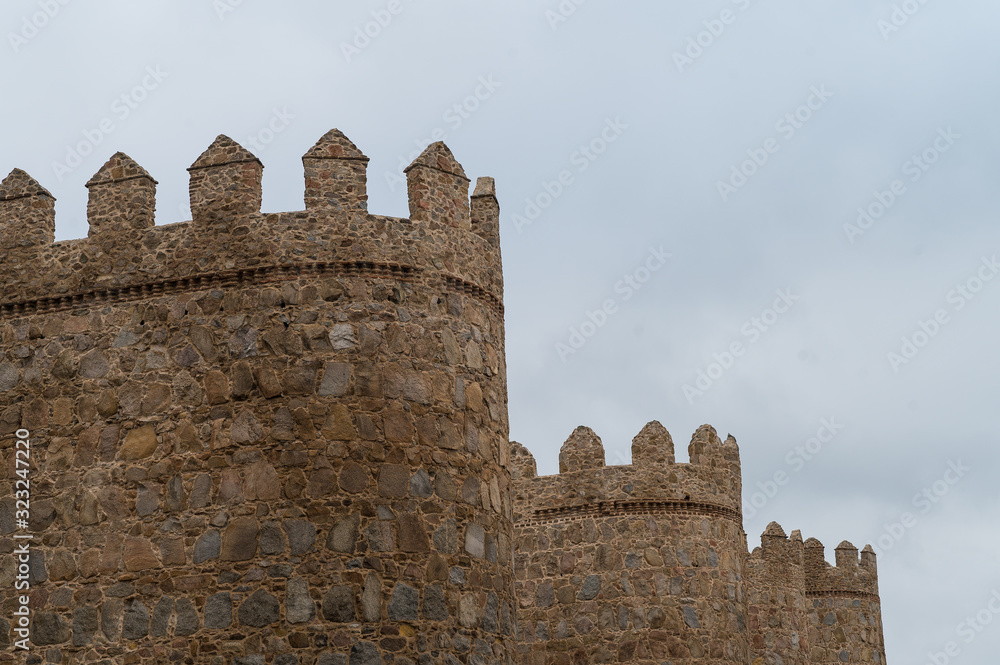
(260, 438)
(844, 610)
(647, 564)
(639, 564)
(282, 439)
(776, 587)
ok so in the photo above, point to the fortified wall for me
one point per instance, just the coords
(647, 564)
(259, 437)
(282, 438)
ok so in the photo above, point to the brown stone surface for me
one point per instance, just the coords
(647, 563)
(224, 405)
(138, 443)
(282, 438)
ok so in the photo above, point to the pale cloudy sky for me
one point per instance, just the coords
(739, 137)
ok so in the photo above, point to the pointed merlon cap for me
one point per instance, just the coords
(707, 449)
(846, 555)
(652, 445)
(122, 197)
(27, 212)
(336, 175)
(868, 557)
(485, 186)
(117, 169)
(773, 530)
(582, 450)
(707, 434)
(225, 183)
(773, 536)
(334, 145)
(439, 157)
(437, 190)
(18, 185)
(522, 462)
(705, 443)
(223, 151)
(485, 210)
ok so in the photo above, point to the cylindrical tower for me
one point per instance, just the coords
(776, 589)
(640, 564)
(261, 438)
(844, 610)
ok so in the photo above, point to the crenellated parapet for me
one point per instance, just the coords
(638, 563)
(654, 481)
(780, 552)
(776, 588)
(449, 239)
(844, 611)
(260, 437)
(852, 575)
(804, 611)
(283, 437)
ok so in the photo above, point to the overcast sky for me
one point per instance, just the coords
(680, 186)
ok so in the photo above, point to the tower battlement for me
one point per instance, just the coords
(282, 438)
(447, 238)
(654, 480)
(633, 553)
(851, 574)
(804, 610)
(652, 556)
(261, 437)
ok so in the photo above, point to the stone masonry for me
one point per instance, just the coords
(260, 438)
(282, 438)
(647, 564)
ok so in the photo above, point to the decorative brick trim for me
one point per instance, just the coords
(229, 278)
(833, 593)
(460, 285)
(615, 508)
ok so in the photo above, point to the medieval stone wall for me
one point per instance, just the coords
(260, 438)
(647, 564)
(776, 586)
(639, 564)
(844, 610)
(282, 439)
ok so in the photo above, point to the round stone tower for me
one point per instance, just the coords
(638, 564)
(776, 588)
(260, 438)
(844, 611)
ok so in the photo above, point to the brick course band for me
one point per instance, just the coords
(636, 508)
(282, 439)
(474, 290)
(262, 274)
(647, 563)
(843, 594)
